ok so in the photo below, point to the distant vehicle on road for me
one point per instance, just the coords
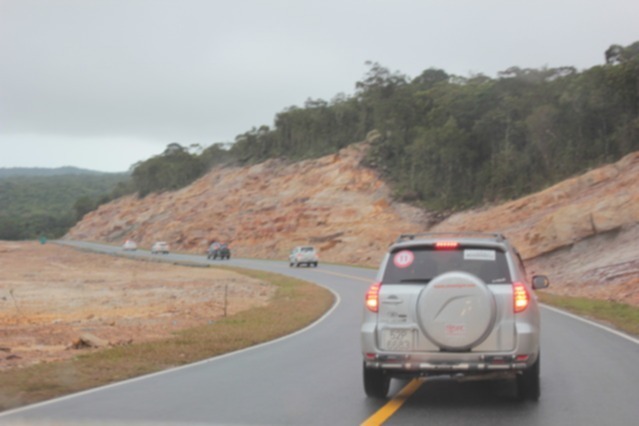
(303, 255)
(220, 250)
(160, 247)
(129, 245)
(452, 304)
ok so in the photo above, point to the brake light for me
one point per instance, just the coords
(372, 297)
(521, 298)
(446, 245)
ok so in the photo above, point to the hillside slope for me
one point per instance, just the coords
(581, 232)
(266, 209)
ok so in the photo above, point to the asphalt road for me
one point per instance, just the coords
(590, 376)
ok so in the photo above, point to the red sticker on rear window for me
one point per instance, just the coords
(403, 259)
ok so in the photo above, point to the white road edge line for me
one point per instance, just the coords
(338, 300)
(593, 323)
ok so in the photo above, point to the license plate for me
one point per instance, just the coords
(397, 339)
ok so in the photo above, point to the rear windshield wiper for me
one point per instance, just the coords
(416, 280)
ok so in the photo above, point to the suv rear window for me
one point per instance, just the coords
(420, 264)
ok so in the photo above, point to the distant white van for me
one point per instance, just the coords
(129, 245)
(161, 247)
(303, 255)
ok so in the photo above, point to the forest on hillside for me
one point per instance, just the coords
(48, 202)
(443, 141)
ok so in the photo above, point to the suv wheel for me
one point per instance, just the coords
(528, 382)
(376, 382)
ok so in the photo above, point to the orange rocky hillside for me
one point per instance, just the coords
(582, 232)
(264, 210)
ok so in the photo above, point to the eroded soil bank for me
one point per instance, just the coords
(51, 296)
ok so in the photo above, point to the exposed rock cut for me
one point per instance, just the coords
(347, 211)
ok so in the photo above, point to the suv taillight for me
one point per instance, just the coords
(521, 298)
(372, 297)
(446, 245)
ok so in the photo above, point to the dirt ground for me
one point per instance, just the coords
(56, 301)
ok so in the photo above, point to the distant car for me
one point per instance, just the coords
(160, 247)
(303, 255)
(220, 250)
(129, 245)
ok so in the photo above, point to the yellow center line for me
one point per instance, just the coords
(394, 404)
(366, 280)
(398, 400)
(337, 274)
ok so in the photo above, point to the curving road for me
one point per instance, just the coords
(590, 376)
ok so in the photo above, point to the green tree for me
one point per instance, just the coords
(173, 169)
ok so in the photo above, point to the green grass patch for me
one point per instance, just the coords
(295, 305)
(618, 315)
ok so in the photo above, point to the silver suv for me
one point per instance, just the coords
(453, 304)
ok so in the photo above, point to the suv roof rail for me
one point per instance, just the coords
(492, 235)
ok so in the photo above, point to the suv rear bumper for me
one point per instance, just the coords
(408, 365)
(521, 356)
(443, 362)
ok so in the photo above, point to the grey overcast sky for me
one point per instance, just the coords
(102, 84)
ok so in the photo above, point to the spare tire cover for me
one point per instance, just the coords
(456, 311)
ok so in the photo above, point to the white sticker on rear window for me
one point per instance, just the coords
(488, 255)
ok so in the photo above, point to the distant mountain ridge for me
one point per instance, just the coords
(43, 171)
